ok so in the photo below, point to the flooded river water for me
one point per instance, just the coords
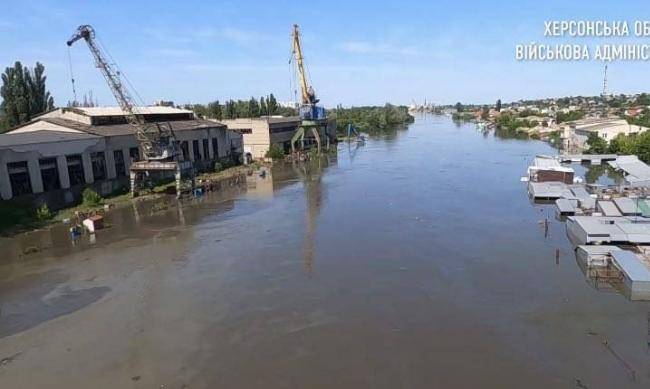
(414, 261)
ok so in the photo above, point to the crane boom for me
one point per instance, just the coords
(307, 92)
(157, 142)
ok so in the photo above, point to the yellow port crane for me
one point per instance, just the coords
(313, 117)
(307, 92)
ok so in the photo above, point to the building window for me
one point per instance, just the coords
(75, 169)
(99, 165)
(206, 149)
(134, 153)
(19, 178)
(215, 148)
(195, 148)
(49, 174)
(120, 167)
(185, 148)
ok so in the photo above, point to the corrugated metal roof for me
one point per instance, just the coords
(41, 136)
(178, 125)
(627, 206)
(636, 171)
(608, 208)
(565, 206)
(127, 129)
(117, 111)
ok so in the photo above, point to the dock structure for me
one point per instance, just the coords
(594, 159)
(636, 172)
(608, 230)
(635, 274)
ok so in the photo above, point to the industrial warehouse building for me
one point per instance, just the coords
(259, 134)
(57, 154)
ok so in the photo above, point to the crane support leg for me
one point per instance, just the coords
(132, 179)
(314, 130)
(300, 134)
(177, 178)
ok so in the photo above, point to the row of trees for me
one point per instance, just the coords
(24, 95)
(233, 109)
(634, 144)
(371, 119)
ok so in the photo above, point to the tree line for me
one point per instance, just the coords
(371, 119)
(233, 109)
(633, 144)
(24, 95)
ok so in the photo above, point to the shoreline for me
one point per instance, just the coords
(209, 181)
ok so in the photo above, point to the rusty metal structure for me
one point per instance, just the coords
(156, 140)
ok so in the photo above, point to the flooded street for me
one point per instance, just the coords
(416, 260)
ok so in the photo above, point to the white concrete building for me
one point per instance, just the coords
(575, 134)
(259, 134)
(56, 155)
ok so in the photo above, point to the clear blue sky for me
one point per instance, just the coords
(357, 52)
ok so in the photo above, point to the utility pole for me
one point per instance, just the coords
(604, 95)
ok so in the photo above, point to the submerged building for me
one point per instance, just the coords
(260, 134)
(57, 154)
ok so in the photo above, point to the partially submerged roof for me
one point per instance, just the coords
(549, 190)
(543, 162)
(613, 229)
(636, 171)
(565, 205)
(629, 264)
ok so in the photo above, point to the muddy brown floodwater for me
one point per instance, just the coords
(415, 261)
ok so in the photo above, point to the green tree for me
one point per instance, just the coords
(214, 110)
(642, 146)
(15, 96)
(459, 107)
(263, 108)
(623, 145)
(272, 105)
(253, 108)
(24, 94)
(39, 97)
(498, 106)
(230, 111)
(597, 145)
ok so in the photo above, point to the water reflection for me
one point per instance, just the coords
(600, 174)
(603, 279)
